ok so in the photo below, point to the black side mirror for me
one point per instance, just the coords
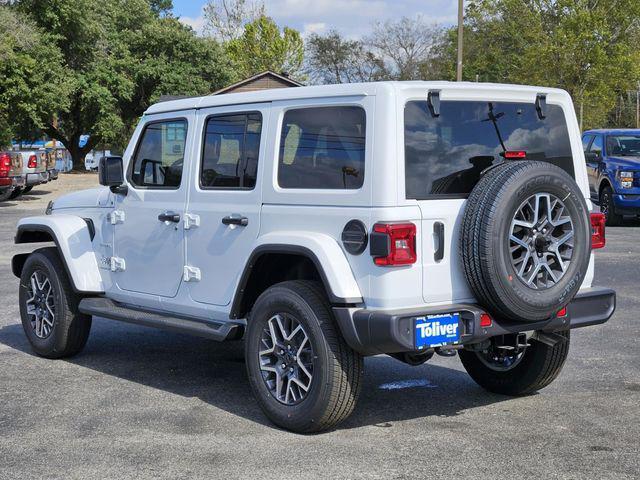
(592, 157)
(111, 174)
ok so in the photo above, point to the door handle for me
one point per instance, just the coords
(235, 220)
(438, 231)
(169, 217)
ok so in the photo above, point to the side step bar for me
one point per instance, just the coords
(105, 307)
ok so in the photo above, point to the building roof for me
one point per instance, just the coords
(283, 80)
(346, 90)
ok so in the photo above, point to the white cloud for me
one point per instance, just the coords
(197, 23)
(309, 28)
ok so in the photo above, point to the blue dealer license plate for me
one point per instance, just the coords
(437, 330)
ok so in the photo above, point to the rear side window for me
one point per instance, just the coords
(445, 155)
(159, 157)
(322, 148)
(231, 150)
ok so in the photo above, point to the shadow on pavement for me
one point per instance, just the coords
(215, 373)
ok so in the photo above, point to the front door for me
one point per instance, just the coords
(149, 250)
(225, 198)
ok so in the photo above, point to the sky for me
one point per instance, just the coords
(352, 18)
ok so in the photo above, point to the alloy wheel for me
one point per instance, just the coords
(41, 304)
(286, 361)
(541, 241)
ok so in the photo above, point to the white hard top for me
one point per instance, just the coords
(340, 90)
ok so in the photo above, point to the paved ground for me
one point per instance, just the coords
(141, 403)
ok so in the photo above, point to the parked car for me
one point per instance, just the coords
(92, 159)
(34, 170)
(613, 166)
(328, 223)
(11, 178)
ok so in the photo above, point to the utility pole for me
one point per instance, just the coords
(460, 31)
(638, 106)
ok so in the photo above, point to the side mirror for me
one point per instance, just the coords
(592, 157)
(111, 174)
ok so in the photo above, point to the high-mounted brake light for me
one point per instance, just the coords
(598, 239)
(393, 244)
(33, 161)
(514, 154)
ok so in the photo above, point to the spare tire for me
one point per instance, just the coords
(525, 240)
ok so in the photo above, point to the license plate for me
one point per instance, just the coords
(437, 330)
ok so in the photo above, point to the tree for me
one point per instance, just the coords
(331, 58)
(587, 47)
(225, 19)
(114, 59)
(405, 45)
(263, 46)
(31, 78)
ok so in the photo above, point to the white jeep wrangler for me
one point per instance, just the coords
(328, 223)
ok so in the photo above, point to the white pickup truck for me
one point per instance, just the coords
(324, 224)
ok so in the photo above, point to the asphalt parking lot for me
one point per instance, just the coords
(142, 403)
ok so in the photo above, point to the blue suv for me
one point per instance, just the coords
(613, 166)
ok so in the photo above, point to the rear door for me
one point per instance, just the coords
(445, 156)
(594, 160)
(225, 198)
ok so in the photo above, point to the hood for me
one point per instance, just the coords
(632, 163)
(93, 197)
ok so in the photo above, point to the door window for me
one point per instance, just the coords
(596, 146)
(322, 147)
(586, 139)
(159, 158)
(231, 151)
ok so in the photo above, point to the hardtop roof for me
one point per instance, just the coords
(339, 90)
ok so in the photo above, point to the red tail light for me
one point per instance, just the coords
(5, 164)
(485, 320)
(395, 244)
(597, 230)
(33, 161)
(562, 313)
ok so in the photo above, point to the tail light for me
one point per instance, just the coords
(5, 164)
(597, 230)
(514, 154)
(33, 161)
(393, 244)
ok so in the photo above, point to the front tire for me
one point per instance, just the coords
(608, 208)
(302, 373)
(49, 307)
(538, 366)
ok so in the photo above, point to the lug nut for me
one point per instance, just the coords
(291, 369)
(284, 366)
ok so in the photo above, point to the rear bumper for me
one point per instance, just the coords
(372, 332)
(53, 174)
(12, 181)
(627, 204)
(36, 178)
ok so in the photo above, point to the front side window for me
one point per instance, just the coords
(322, 148)
(159, 157)
(231, 150)
(586, 140)
(596, 146)
(445, 155)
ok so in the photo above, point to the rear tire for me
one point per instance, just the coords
(6, 194)
(333, 387)
(50, 318)
(538, 367)
(27, 189)
(608, 208)
(16, 193)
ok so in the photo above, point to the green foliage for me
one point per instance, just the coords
(587, 47)
(263, 46)
(99, 65)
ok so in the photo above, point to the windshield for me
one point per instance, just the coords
(445, 155)
(623, 145)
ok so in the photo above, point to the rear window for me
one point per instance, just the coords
(322, 147)
(445, 155)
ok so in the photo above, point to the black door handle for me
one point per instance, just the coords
(438, 231)
(234, 220)
(169, 217)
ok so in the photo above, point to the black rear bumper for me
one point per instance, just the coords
(371, 332)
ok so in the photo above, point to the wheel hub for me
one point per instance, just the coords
(541, 241)
(287, 359)
(40, 305)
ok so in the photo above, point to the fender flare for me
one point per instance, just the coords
(72, 236)
(322, 250)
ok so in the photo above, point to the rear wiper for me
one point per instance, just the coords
(493, 118)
